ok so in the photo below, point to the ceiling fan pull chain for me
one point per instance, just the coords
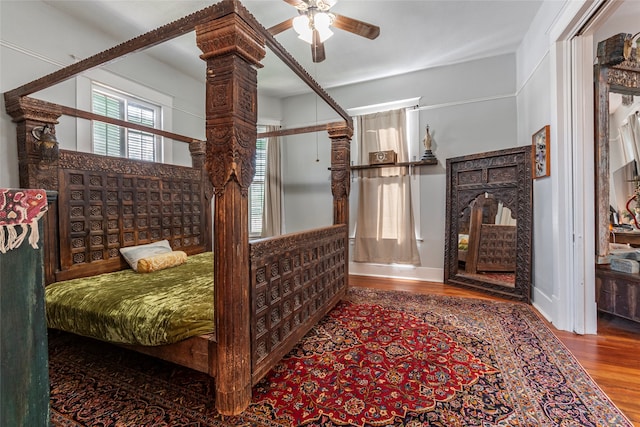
(317, 150)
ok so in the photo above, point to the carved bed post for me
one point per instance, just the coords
(38, 162)
(198, 150)
(232, 50)
(341, 180)
(340, 172)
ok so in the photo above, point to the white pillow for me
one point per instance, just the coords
(133, 254)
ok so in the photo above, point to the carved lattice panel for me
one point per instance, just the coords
(104, 206)
(497, 251)
(293, 278)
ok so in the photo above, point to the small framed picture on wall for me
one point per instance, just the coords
(540, 153)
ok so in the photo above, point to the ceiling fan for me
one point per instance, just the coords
(313, 22)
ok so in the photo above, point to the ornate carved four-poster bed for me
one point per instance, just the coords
(269, 292)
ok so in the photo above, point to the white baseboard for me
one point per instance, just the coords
(425, 274)
(542, 303)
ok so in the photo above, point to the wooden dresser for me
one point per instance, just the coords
(630, 237)
(618, 293)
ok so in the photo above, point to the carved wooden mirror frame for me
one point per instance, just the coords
(612, 73)
(505, 175)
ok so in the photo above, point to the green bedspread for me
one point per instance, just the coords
(156, 308)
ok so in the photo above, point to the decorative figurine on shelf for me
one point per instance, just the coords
(428, 155)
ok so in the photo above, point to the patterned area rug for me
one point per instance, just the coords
(504, 279)
(379, 359)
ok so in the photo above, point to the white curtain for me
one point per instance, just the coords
(630, 136)
(504, 216)
(385, 230)
(272, 211)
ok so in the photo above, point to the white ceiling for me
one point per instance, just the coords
(414, 35)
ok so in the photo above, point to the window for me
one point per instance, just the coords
(415, 151)
(113, 140)
(385, 232)
(256, 190)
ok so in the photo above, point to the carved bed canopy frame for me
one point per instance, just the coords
(233, 44)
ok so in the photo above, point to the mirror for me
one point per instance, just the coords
(624, 149)
(617, 80)
(489, 217)
(487, 241)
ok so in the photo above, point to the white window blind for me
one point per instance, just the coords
(256, 190)
(112, 140)
(107, 138)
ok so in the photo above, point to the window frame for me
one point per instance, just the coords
(84, 84)
(127, 102)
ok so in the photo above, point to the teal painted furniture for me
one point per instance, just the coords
(24, 374)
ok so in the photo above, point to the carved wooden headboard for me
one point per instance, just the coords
(105, 203)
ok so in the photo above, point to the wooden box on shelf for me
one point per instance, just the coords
(388, 157)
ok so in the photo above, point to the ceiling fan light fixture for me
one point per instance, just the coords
(302, 26)
(307, 37)
(314, 21)
(322, 21)
(324, 5)
(305, 23)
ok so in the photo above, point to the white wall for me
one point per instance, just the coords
(27, 54)
(533, 114)
(535, 97)
(470, 108)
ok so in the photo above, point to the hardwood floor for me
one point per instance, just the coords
(612, 357)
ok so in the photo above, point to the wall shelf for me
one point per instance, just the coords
(395, 165)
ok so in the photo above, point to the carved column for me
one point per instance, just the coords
(38, 162)
(341, 182)
(601, 94)
(198, 150)
(232, 50)
(340, 172)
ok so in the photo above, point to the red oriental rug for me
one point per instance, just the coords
(378, 359)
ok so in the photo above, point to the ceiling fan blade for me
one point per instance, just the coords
(354, 26)
(283, 26)
(317, 48)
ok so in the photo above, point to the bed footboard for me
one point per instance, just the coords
(295, 280)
